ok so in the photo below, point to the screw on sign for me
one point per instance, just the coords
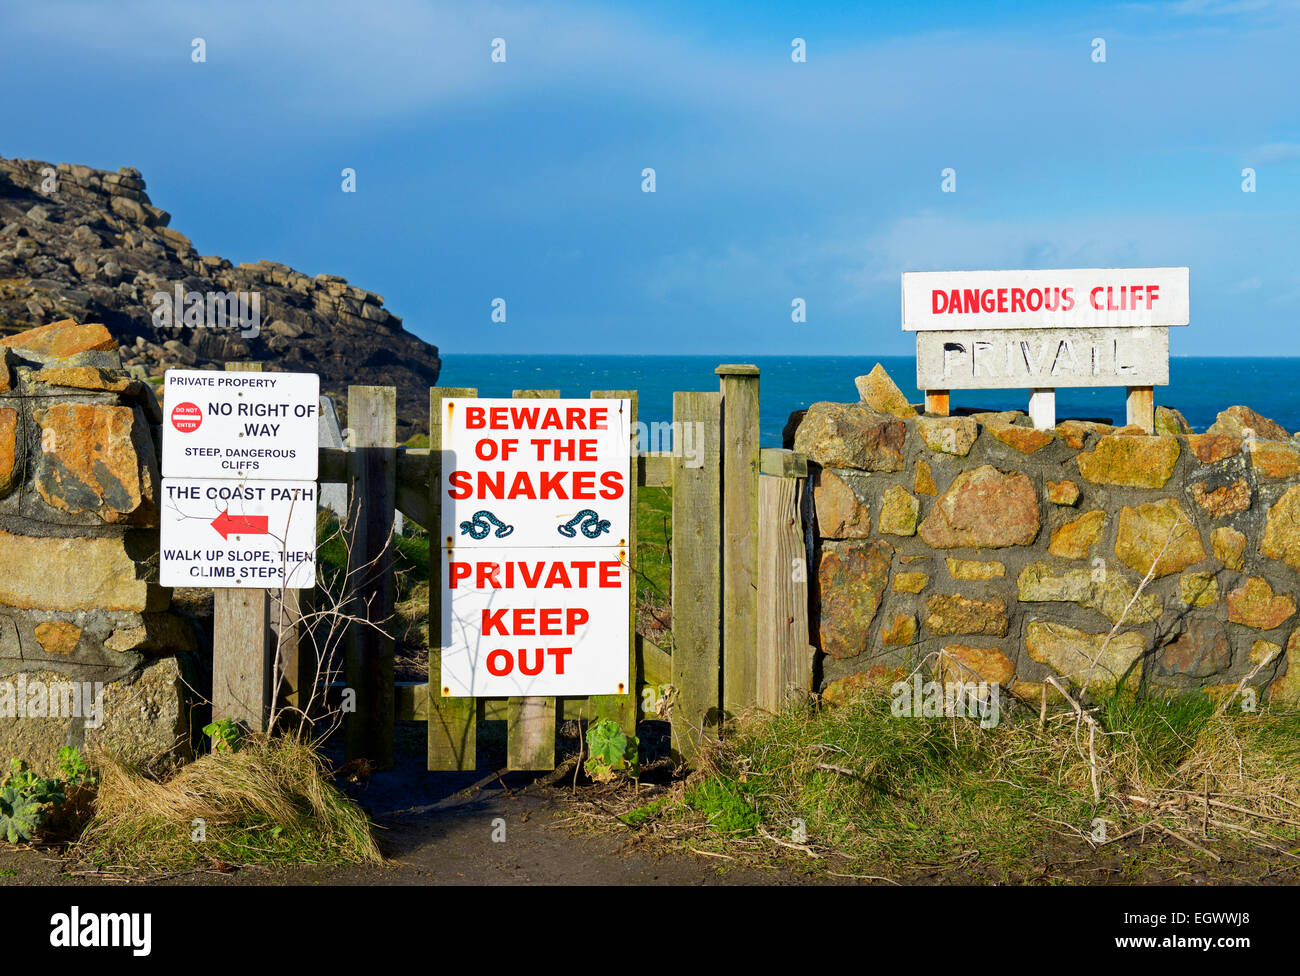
(186, 417)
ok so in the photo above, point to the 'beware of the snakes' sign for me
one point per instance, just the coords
(535, 517)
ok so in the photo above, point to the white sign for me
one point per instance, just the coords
(252, 534)
(522, 473)
(1075, 298)
(240, 425)
(535, 515)
(535, 621)
(1016, 358)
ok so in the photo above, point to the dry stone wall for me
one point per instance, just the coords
(91, 652)
(980, 548)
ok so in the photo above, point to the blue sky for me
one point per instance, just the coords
(775, 180)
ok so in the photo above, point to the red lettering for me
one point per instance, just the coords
(474, 418)
(461, 485)
(495, 667)
(1002, 299)
(613, 482)
(1017, 299)
(1092, 297)
(459, 571)
(938, 302)
(609, 574)
(558, 653)
(494, 619)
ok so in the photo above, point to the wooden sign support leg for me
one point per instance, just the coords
(241, 644)
(1142, 407)
(1042, 409)
(936, 403)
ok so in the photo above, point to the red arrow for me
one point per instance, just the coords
(225, 523)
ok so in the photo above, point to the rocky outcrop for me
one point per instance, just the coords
(89, 245)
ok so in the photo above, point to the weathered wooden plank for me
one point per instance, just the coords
(696, 578)
(242, 678)
(241, 657)
(332, 465)
(372, 418)
(781, 463)
(413, 485)
(740, 465)
(453, 732)
(784, 656)
(1141, 407)
(655, 471)
(623, 708)
(530, 735)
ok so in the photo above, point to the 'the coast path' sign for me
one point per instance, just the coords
(239, 465)
(1045, 329)
(535, 513)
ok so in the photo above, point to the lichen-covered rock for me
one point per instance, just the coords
(899, 630)
(1106, 591)
(1026, 440)
(1210, 448)
(923, 483)
(1199, 651)
(948, 435)
(881, 394)
(57, 636)
(851, 435)
(851, 579)
(1074, 540)
(952, 613)
(1242, 423)
(1282, 529)
(158, 633)
(1254, 604)
(1075, 432)
(1159, 533)
(1273, 459)
(1171, 421)
(60, 341)
(983, 509)
(1063, 493)
(972, 665)
(975, 569)
(899, 511)
(1131, 460)
(1264, 652)
(1224, 500)
(1229, 546)
(8, 449)
(910, 582)
(73, 574)
(877, 677)
(1286, 689)
(96, 458)
(1198, 589)
(1085, 659)
(841, 512)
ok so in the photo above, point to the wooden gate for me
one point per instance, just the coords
(739, 581)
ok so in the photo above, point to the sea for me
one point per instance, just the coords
(1198, 386)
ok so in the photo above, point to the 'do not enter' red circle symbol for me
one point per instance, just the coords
(186, 417)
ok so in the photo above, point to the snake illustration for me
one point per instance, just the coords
(592, 525)
(481, 524)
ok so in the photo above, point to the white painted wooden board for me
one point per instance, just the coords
(1097, 298)
(1000, 359)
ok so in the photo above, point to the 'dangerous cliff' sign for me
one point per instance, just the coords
(535, 516)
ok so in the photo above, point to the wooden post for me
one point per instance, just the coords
(785, 657)
(739, 387)
(530, 727)
(1042, 409)
(241, 644)
(696, 571)
(1142, 407)
(372, 493)
(936, 403)
(623, 708)
(453, 729)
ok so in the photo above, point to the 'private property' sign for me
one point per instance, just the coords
(535, 514)
(979, 330)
